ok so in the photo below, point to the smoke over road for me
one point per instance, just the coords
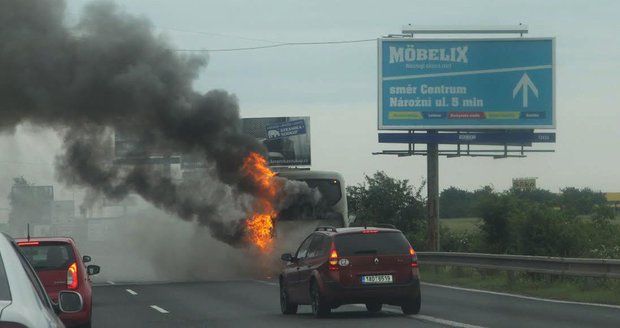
(111, 72)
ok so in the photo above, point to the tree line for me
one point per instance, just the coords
(459, 203)
(573, 223)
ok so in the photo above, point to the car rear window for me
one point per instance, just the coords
(49, 255)
(5, 293)
(381, 243)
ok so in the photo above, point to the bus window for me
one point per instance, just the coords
(331, 194)
(329, 189)
(331, 208)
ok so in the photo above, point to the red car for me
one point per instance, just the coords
(60, 267)
(368, 265)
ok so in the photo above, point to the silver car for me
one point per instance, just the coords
(23, 301)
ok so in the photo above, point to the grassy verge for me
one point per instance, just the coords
(592, 290)
(471, 224)
(461, 224)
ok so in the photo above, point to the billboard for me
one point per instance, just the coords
(466, 83)
(524, 184)
(287, 139)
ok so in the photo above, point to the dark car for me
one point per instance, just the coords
(23, 301)
(60, 267)
(368, 265)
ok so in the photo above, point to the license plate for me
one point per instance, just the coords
(378, 279)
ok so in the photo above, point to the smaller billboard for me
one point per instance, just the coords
(612, 197)
(524, 184)
(287, 139)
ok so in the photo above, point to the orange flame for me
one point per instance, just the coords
(261, 224)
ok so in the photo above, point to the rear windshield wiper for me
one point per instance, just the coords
(367, 251)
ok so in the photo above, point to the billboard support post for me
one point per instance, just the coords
(432, 167)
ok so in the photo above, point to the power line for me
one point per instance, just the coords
(284, 44)
(217, 34)
(76, 17)
(275, 44)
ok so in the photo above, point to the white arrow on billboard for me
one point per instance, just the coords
(524, 83)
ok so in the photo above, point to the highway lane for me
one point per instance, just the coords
(256, 304)
(220, 304)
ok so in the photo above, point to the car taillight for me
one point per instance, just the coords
(72, 276)
(414, 257)
(333, 258)
(369, 231)
(28, 243)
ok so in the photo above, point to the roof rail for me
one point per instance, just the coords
(326, 228)
(385, 225)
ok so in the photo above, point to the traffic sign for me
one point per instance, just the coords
(466, 83)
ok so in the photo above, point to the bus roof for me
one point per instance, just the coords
(307, 174)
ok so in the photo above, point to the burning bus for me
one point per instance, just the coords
(323, 202)
(296, 222)
(287, 140)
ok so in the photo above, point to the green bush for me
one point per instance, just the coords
(517, 225)
(581, 201)
(383, 199)
(498, 212)
(458, 241)
(456, 203)
(534, 222)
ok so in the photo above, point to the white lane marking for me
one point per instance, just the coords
(443, 321)
(110, 282)
(266, 282)
(522, 296)
(160, 310)
(131, 292)
(428, 318)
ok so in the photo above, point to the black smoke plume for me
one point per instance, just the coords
(111, 72)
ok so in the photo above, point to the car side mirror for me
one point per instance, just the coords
(287, 257)
(86, 259)
(93, 269)
(70, 302)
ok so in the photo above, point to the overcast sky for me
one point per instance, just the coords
(336, 84)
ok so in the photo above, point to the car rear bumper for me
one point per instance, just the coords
(388, 294)
(75, 319)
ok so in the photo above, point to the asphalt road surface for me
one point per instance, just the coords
(256, 304)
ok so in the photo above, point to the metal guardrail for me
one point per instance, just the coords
(584, 267)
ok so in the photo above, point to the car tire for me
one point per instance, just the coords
(374, 307)
(89, 323)
(412, 306)
(285, 304)
(85, 325)
(320, 308)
